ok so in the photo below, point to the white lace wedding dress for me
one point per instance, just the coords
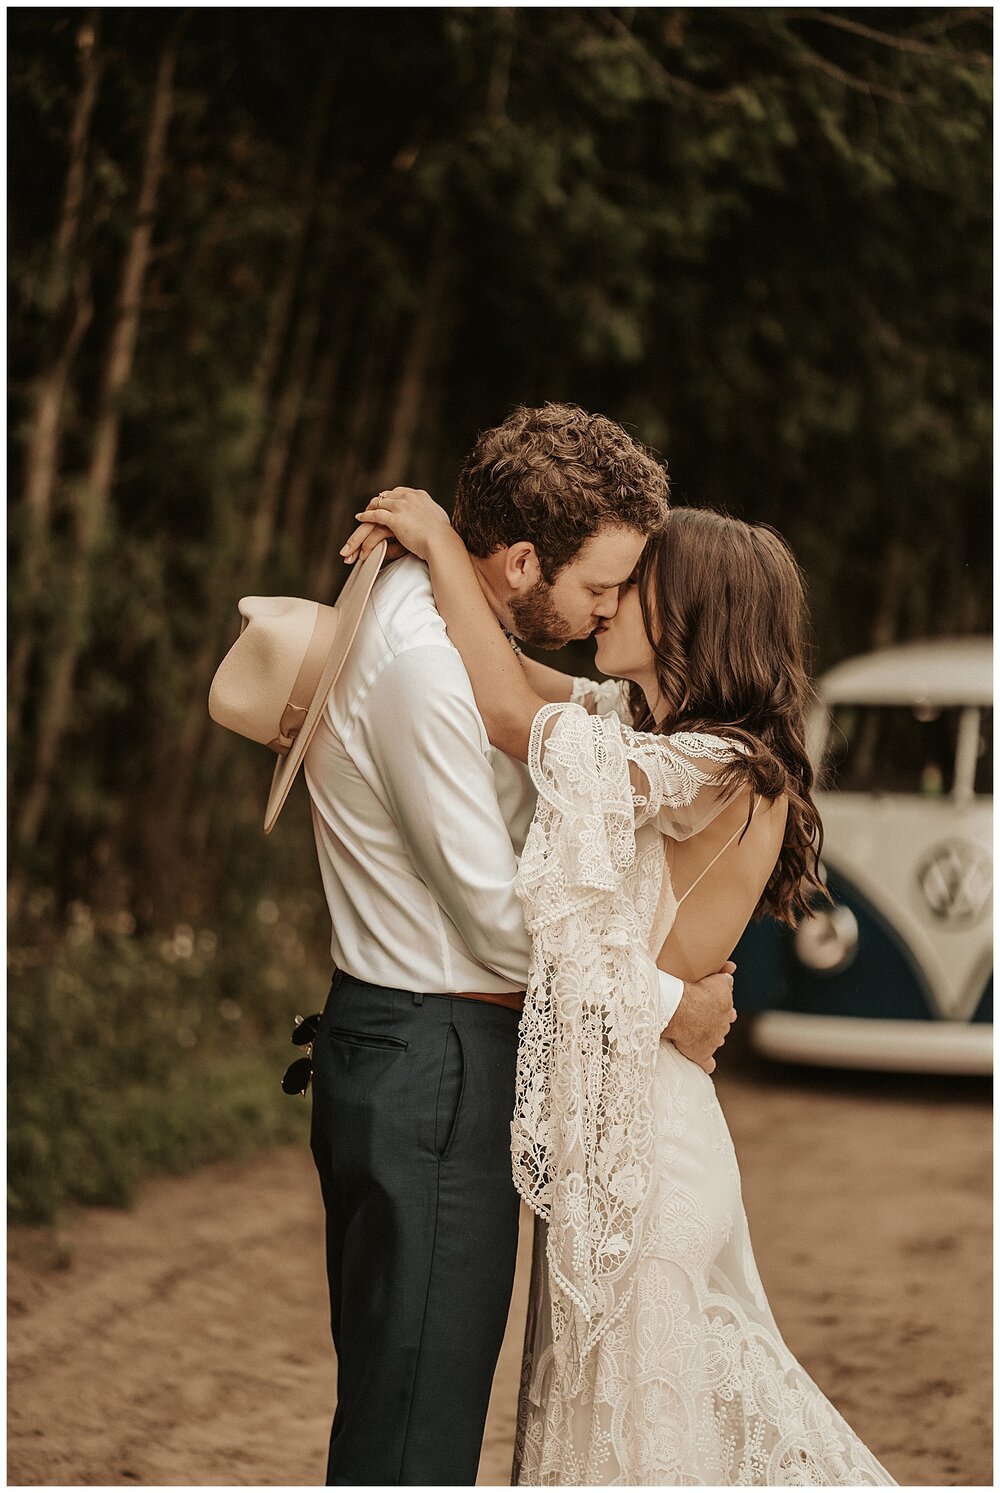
(652, 1356)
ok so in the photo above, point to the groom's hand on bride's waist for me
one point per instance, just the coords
(704, 1016)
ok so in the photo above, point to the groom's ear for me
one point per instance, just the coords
(520, 567)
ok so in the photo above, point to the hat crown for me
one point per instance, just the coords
(274, 682)
(253, 684)
(262, 608)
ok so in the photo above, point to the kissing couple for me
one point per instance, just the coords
(535, 883)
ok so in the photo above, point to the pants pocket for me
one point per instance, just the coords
(451, 1088)
(366, 1039)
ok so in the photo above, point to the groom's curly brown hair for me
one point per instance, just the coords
(553, 476)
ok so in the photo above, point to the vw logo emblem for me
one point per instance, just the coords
(957, 881)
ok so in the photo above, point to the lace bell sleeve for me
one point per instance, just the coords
(682, 781)
(582, 1131)
(582, 1134)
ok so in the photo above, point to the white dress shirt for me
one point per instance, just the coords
(418, 820)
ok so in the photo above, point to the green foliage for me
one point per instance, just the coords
(131, 1054)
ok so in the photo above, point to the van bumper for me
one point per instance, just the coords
(869, 1042)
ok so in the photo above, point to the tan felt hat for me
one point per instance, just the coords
(273, 683)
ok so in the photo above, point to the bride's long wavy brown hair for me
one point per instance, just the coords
(724, 607)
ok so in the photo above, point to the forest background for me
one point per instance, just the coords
(265, 262)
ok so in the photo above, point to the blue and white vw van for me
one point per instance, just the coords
(898, 972)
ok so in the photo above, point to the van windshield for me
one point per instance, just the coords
(892, 749)
(984, 753)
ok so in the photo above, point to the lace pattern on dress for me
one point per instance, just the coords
(583, 1141)
(652, 1355)
(606, 698)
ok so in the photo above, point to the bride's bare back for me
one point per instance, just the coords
(712, 917)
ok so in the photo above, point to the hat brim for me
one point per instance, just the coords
(350, 606)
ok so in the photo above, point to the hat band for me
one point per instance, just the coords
(306, 680)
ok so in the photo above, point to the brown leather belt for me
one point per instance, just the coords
(513, 1000)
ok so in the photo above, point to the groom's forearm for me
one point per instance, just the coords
(701, 1022)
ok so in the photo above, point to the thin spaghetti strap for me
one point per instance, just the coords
(718, 855)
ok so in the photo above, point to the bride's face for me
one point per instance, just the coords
(623, 649)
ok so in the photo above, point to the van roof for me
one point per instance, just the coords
(938, 671)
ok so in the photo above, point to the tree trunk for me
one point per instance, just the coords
(317, 423)
(91, 64)
(411, 390)
(885, 623)
(289, 405)
(498, 85)
(42, 470)
(266, 367)
(426, 444)
(93, 496)
(325, 570)
(191, 737)
(97, 491)
(392, 466)
(67, 295)
(279, 444)
(64, 288)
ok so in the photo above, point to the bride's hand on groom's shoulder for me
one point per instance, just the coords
(407, 516)
(367, 537)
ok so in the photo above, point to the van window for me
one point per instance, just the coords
(892, 749)
(984, 761)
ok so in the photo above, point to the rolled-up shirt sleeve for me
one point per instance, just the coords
(671, 990)
(426, 740)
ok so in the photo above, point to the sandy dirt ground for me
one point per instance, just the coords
(185, 1343)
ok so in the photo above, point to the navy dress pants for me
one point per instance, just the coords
(412, 1101)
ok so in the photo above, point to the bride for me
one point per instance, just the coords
(670, 810)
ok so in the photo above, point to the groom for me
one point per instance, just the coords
(418, 822)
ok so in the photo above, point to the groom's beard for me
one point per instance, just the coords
(536, 620)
